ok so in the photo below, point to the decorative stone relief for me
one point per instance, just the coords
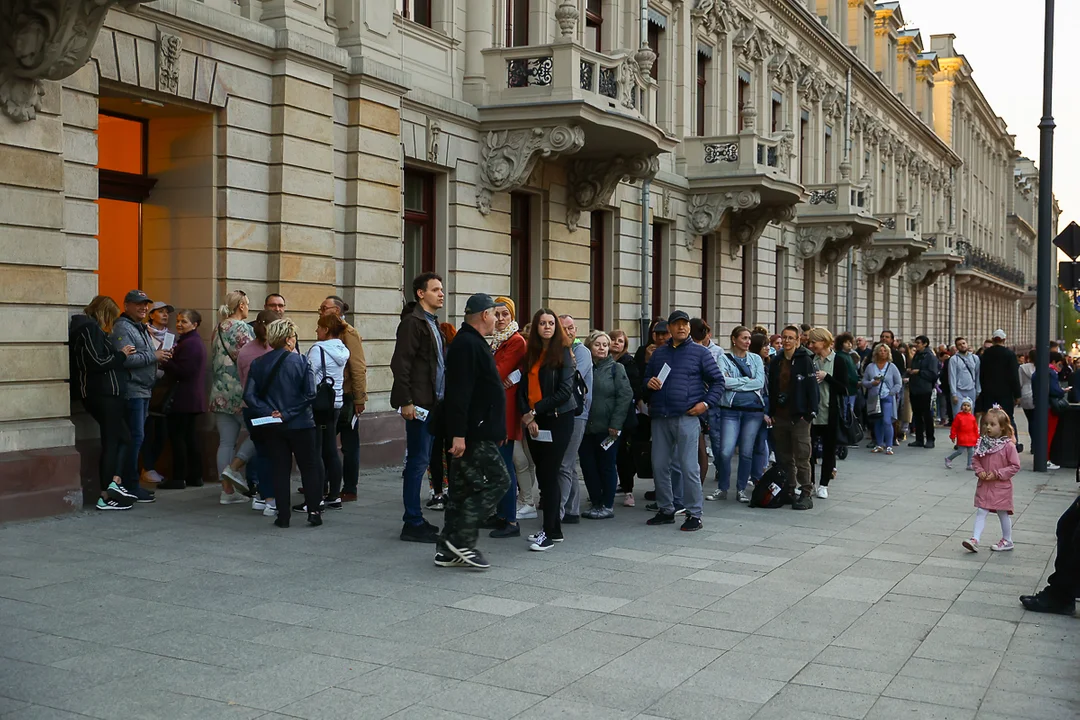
(44, 40)
(716, 17)
(832, 103)
(433, 133)
(706, 212)
(924, 272)
(507, 157)
(168, 58)
(810, 241)
(884, 261)
(753, 43)
(567, 16)
(591, 182)
(747, 226)
(811, 85)
(784, 67)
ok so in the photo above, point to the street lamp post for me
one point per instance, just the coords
(1045, 250)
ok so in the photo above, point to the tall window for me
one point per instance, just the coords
(748, 285)
(419, 11)
(594, 21)
(828, 155)
(702, 80)
(596, 261)
(777, 112)
(521, 252)
(781, 287)
(655, 33)
(517, 23)
(744, 96)
(804, 145)
(419, 224)
(658, 274)
(708, 277)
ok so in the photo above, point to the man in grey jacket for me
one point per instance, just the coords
(963, 375)
(130, 329)
(568, 477)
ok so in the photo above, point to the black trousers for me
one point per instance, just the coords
(827, 435)
(326, 442)
(350, 446)
(110, 413)
(282, 444)
(548, 457)
(186, 455)
(624, 463)
(1064, 582)
(922, 417)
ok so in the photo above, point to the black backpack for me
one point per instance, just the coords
(771, 490)
(325, 394)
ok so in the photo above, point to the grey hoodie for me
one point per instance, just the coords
(142, 365)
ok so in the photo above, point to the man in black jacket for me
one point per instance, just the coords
(793, 402)
(999, 379)
(474, 415)
(922, 377)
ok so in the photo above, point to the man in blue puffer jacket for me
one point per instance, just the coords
(682, 381)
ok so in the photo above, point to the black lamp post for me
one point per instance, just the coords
(1045, 261)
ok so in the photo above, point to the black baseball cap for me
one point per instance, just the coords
(660, 326)
(137, 296)
(478, 303)
(677, 316)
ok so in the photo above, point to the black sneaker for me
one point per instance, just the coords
(111, 504)
(653, 507)
(569, 519)
(314, 519)
(423, 533)
(445, 558)
(691, 524)
(661, 518)
(540, 542)
(805, 502)
(1019, 447)
(437, 502)
(929, 445)
(506, 530)
(302, 507)
(470, 556)
(650, 495)
(332, 503)
(143, 496)
(1045, 601)
(915, 443)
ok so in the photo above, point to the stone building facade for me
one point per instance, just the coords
(752, 161)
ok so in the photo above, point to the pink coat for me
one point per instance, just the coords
(997, 494)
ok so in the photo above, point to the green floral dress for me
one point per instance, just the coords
(226, 392)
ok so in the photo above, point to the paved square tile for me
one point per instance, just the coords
(865, 607)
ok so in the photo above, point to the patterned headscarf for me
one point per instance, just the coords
(505, 334)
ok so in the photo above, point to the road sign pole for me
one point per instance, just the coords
(1045, 257)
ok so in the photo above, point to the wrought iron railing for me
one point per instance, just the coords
(985, 262)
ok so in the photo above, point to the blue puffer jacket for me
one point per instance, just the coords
(695, 377)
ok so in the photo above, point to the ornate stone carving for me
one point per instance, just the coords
(434, 130)
(630, 78)
(567, 16)
(706, 212)
(753, 43)
(747, 226)
(832, 103)
(644, 57)
(721, 152)
(168, 60)
(823, 196)
(924, 272)
(716, 16)
(884, 261)
(785, 148)
(784, 67)
(591, 182)
(811, 85)
(507, 157)
(810, 241)
(44, 40)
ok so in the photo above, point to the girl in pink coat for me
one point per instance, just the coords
(996, 461)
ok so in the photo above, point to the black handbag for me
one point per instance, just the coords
(162, 395)
(325, 395)
(1059, 405)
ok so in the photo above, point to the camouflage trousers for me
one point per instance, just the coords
(478, 480)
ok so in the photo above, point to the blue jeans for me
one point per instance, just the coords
(740, 428)
(507, 509)
(884, 427)
(761, 451)
(137, 410)
(599, 468)
(417, 456)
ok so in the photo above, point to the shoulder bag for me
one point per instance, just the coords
(325, 395)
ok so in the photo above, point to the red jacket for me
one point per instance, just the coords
(965, 431)
(508, 358)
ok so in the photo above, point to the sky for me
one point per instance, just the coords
(1003, 42)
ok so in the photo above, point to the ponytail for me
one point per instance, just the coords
(232, 301)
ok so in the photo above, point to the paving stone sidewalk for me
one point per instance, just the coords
(864, 607)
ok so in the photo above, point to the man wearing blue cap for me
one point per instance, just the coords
(474, 416)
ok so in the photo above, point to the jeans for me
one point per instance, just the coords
(282, 444)
(960, 451)
(676, 438)
(793, 451)
(350, 448)
(155, 434)
(109, 411)
(883, 431)
(137, 410)
(548, 459)
(599, 468)
(568, 477)
(507, 508)
(229, 427)
(737, 427)
(922, 417)
(417, 456)
(326, 443)
(186, 455)
(262, 470)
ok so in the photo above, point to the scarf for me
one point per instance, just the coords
(990, 445)
(158, 335)
(502, 336)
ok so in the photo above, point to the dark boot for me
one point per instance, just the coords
(1045, 601)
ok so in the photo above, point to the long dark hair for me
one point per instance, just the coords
(535, 346)
(758, 341)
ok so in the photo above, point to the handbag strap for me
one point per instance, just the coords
(325, 375)
(272, 376)
(224, 347)
(742, 370)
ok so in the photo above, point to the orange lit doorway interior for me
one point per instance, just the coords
(122, 187)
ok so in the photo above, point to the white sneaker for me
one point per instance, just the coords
(271, 508)
(539, 536)
(717, 495)
(744, 497)
(526, 512)
(1052, 466)
(1002, 545)
(232, 498)
(235, 478)
(258, 504)
(822, 492)
(152, 476)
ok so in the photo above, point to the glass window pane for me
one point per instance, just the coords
(415, 186)
(414, 252)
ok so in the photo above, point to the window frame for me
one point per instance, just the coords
(425, 218)
(410, 12)
(594, 22)
(743, 93)
(597, 258)
(702, 83)
(657, 265)
(521, 247)
(512, 29)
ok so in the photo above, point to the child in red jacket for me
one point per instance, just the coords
(965, 433)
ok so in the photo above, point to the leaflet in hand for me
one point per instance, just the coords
(168, 342)
(354, 420)
(543, 436)
(421, 413)
(514, 377)
(664, 372)
(268, 420)
(609, 441)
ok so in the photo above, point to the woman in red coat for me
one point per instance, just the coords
(509, 349)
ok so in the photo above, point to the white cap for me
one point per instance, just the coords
(999, 334)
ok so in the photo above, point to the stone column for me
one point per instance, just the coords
(478, 23)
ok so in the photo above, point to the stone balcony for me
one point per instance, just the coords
(834, 219)
(980, 269)
(898, 242)
(941, 257)
(744, 178)
(561, 99)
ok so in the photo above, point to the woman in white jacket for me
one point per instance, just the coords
(328, 358)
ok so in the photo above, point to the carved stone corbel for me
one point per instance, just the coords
(45, 40)
(747, 226)
(591, 182)
(706, 212)
(883, 261)
(507, 157)
(811, 241)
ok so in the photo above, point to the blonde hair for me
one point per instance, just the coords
(279, 332)
(1003, 422)
(888, 352)
(103, 310)
(232, 302)
(594, 336)
(820, 334)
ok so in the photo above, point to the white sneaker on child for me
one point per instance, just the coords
(1003, 545)
(972, 545)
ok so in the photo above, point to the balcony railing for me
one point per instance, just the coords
(977, 259)
(737, 155)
